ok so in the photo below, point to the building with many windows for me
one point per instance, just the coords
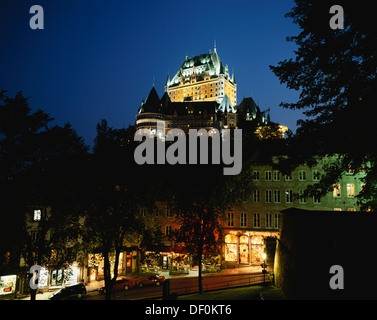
(251, 229)
(202, 78)
(203, 95)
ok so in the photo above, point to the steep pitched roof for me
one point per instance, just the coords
(226, 105)
(152, 103)
(207, 63)
(248, 106)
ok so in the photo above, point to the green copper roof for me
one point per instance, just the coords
(205, 64)
(226, 105)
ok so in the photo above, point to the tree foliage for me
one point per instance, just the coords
(335, 73)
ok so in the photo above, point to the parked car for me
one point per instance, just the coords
(154, 279)
(75, 291)
(121, 284)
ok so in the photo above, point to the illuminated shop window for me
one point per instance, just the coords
(244, 249)
(231, 252)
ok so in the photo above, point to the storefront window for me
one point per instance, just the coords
(231, 247)
(179, 263)
(211, 263)
(7, 284)
(257, 248)
(71, 275)
(56, 278)
(43, 278)
(151, 262)
(244, 249)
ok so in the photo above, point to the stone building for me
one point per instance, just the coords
(202, 78)
(252, 228)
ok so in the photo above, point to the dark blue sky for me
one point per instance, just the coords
(97, 59)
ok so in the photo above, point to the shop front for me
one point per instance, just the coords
(244, 248)
(172, 259)
(7, 284)
(180, 261)
(97, 266)
(211, 263)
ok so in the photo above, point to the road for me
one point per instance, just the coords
(183, 286)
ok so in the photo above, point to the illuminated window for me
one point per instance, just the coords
(244, 249)
(352, 209)
(336, 190)
(37, 215)
(231, 252)
(337, 209)
(350, 189)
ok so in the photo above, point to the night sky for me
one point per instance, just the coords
(97, 59)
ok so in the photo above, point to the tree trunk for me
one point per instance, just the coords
(33, 294)
(107, 276)
(200, 271)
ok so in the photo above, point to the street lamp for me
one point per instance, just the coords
(264, 266)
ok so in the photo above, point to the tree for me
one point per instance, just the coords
(36, 165)
(335, 72)
(201, 195)
(115, 188)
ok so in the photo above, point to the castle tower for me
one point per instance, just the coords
(202, 78)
